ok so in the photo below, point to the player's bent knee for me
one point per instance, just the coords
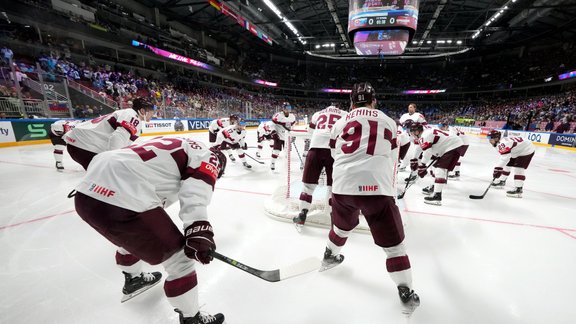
(178, 265)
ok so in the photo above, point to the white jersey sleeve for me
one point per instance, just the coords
(144, 176)
(435, 142)
(231, 135)
(365, 153)
(403, 136)
(107, 132)
(217, 124)
(57, 127)
(463, 137)
(321, 124)
(513, 147)
(415, 117)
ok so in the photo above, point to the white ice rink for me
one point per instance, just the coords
(498, 260)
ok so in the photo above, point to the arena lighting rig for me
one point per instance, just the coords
(495, 16)
(285, 20)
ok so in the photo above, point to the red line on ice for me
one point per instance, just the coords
(36, 219)
(245, 191)
(38, 166)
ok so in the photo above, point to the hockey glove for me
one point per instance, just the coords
(413, 164)
(245, 147)
(422, 170)
(199, 241)
(497, 172)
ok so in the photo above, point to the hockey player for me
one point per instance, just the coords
(265, 132)
(444, 125)
(108, 132)
(514, 152)
(283, 122)
(365, 156)
(403, 144)
(317, 158)
(442, 147)
(232, 137)
(412, 115)
(217, 124)
(123, 197)
(406, 120)
(57, 130)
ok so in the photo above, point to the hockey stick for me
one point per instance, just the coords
(298, 152)
(296, 269)
(485, 191)
(409, 183)
(248, 155)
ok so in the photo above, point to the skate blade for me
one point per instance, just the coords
(497, 188)
(126, 298)
(324, 267)
(435, 202)
(514, 195)
(298, 227)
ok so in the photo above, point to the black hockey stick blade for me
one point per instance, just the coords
(485, 192)
(299, 268)
(248, 155)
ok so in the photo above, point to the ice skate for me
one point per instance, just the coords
(330, 260)
(435, 199)
(246, 165)
(411, 178)
(200, 318)
(409, 299)
(258, 154)
(300, 220)
(516, 193)
(59, 166)
(231, 158)
(455, 175)
(134, 286)
(272, 166)
(402, 169)
(498, 184)
(428, 190)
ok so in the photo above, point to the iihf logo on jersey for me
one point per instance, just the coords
(101, 190)
(368, 188)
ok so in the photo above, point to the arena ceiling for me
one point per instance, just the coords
(444, 26)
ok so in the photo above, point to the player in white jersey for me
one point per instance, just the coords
(515, 152)
(217, 124)
(365, 160)
(406, 120)
(123, 197)
(283, 122)
(265, 132)
(233, 137)
(108, 132)
(57, 131)
(317, 158)
(445, 126)
(403, 138)
(442, 147)
(412, 115)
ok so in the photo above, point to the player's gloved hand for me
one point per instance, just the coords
(497, 172)
(199, 241)
(422, 170)
(413, 164)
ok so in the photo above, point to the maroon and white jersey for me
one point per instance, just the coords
(63, 126)
(513, 147)
(106, 133)
(231, 135)
(217, 124)
(403, 136)
(365, 153)
(266, 128)
(321, 124)
(435, 142)
(283, 124)
(456, 131)
(415, 117)
(148, 175)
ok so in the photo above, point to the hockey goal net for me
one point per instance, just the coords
(284, 202)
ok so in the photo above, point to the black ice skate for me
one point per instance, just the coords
(300, 220)
(455, 175)
(200, 318)
(258, 154)
(516, 193)
(435, 199)
(59, 166)
(411, 178)
(428, 190)
(410, 300)
(246, 165)
(231, 158)
(272, 166)
(330, 260)
(139, 284)
(498, 184)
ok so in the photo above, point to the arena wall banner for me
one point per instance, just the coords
(6, 132)
(531, 136)
(164, 125)
(563, 140)
(194, 124)
(31, 130)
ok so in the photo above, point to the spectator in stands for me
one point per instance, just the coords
(3, 115)
(564, 126)
(549, 126)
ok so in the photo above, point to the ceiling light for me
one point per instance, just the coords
(284, 20)
(317, 46)
(449, 41)
(414, 42)
(459, 42)
(440, 42)
(429, 42)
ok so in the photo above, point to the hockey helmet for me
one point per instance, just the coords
(408, 123)
(493, 134)
(416, 127)
(221, 159)
(235, 118)
(142, 103)
(444, 124)
(362, 93)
